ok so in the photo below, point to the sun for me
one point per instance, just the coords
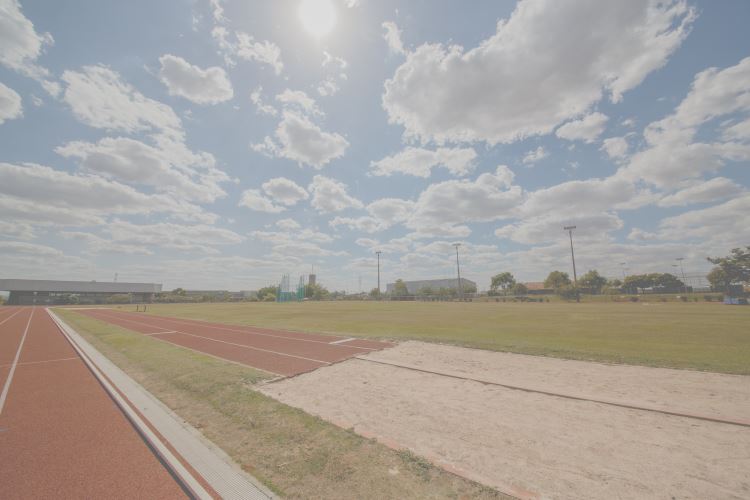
(317, 16)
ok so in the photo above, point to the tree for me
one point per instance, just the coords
(399, 289)
(179, 291)
(316, 292)
(556, 280)
(468, 287)
(719, 280)
(735, 267)
(519, 289)
(504, 281)
(375, 293)
(266, 291)
(426, 291)
(593, 281)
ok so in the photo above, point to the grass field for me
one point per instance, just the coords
(295, 454)
(702, 336)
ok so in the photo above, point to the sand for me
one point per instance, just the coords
(533, 445)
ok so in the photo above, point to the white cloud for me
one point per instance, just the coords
(497, 93)
(260, 106)
(21, 45)
(99, 98)
(330, 195)
(443, 208)
(10, 104)
(287, 224)
(201, 86)
(392, 37)
(548, 228)
(726, 222)
(42, 194)
(587, 129)
(255, 200)
(673, 155)
(300, 100)
(244, 46)
(302, 141)
(284, 191)
(297, 243)
(18, 230)
(335, 68)
(138, 163)
(615, 147)
(419, 161)
(535, 155)
(716, 189)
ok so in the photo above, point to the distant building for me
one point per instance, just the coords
(311, 280)
(415, 286)
(538, 288)
(46, 292)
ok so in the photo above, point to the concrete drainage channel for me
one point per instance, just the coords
(213, 465)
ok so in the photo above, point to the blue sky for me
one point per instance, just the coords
(221, 143)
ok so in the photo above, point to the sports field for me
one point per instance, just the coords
(702, 336)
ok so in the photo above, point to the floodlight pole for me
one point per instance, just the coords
(569, 229)
(458, 272)
(682, 271)
(378, 254)
(622, 265)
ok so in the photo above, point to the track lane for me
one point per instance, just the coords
(11, 331)
(283, 353)
(64, 437)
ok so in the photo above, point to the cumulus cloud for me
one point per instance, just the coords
(587, 129)
(673, 154)
(716, 189)
(201, 86)
(335, 68)
(300, 100)
(615, 147)
(330, 195)
(10, 104)
(419, 162)
(297, 242)
(498, 94)
(245, 46)
(299, 139)
(726, 222)
(547, 228)
(287, 224)
(191, 177)
(21, 45)
(392, 37)
(255, 200)
(284, 191)
(256, 97)
(535, 155)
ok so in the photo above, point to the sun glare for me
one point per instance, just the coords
(317, 16)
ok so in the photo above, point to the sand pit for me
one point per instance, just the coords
(534, 445)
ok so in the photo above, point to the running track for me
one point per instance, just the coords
(61, 435)
(280, 352)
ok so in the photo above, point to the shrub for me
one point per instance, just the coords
(634, 299)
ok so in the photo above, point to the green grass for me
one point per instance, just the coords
(702, 336)
(293, 453)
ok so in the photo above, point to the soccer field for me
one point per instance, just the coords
(703, 336)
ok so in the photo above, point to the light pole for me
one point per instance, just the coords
(378, 254)
(458, 272)
(682, 271)
(622, 265)
(569, 229)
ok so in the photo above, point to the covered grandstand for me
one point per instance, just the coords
(47, 292)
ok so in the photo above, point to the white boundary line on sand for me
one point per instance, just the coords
(214, 466)
(12, 371)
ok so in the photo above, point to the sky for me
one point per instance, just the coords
(218, 144)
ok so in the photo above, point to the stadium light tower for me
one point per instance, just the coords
(569, 229)
(622, 265)
(682, 271)
(378, 254)
(458, 272)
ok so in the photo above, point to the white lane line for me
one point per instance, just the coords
(225, 342)
(6, 319)
(6, 388)
(160, 333)
(210, 325)
(344, 340)
(40, 362)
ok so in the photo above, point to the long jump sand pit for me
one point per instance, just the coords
(591, 442)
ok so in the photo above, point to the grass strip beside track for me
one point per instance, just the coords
(700, 336)
(295, 454)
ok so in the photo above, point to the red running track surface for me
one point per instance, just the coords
(275, 351)
(61, 435)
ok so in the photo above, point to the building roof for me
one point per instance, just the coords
(21, 285)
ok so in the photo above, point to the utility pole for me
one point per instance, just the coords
(622, 265)
(378, 254)
(682, 271)
(458, 272)
(569, 229)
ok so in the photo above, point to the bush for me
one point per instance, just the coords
(683, 298)
(633, 299)
(270, 297)
(568, 292)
